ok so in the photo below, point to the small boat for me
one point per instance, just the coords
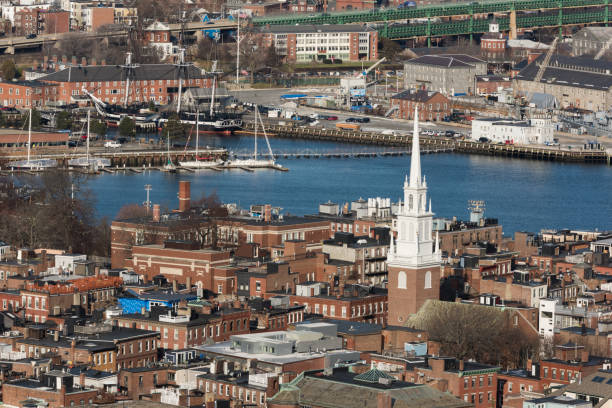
(169, 167)
(93, 163)
(32, 164)
(255, 162)
(199, 162)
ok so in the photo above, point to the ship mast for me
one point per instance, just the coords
(197, 133)
(129, 67)
(181, 68)
(29, 133)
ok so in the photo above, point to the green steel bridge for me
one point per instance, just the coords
(460, 18)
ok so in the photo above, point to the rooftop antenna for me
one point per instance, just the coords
(147, 203)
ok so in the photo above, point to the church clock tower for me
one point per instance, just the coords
(414, 256)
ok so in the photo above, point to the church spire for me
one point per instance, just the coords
(415, 159)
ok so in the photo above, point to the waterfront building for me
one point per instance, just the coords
(414, 256)
(579, 82)
(432, 105)
(303, 43)
(511, 131)
(450, 74)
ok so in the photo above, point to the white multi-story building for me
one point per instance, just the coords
(524, 132)
(554, 317)
(322, 42)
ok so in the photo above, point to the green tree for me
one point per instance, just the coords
(127, 127)
(63, 120)
(9, 70)
(25, 120)
(389, 49)
(174, 127)
(98, 127)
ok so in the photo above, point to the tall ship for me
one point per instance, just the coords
(199, 162)
(215, 120)
(88, 161)
(30, 163)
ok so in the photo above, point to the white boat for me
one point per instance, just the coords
(256, 162)
(169, 167)
(89, 162)
(32, 164)
(198, 163)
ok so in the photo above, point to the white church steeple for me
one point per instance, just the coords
(414, 246)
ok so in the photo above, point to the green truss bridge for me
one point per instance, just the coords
(460, 18)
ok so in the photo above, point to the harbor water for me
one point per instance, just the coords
(523, 195)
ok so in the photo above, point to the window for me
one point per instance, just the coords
(140, 380)
(401, 280)
(428, 280)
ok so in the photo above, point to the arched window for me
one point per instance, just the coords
(401, 280)
(427, 280)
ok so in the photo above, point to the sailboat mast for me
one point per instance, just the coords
(263, 128)
(29, 133)
(197, 133)
(212, 98)
(128, 64)
(88, 117)
(255, 152)
(180, 71)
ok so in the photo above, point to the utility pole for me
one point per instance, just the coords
(147, 203)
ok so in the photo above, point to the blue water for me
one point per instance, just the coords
(522, 194)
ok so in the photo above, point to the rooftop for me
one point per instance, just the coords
(327, 28)
(447, 60)
(99, 73)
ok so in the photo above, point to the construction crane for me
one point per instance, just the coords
(546, 60)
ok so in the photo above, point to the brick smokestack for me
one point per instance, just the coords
(184, 195)
(268, 213)
(156, 213)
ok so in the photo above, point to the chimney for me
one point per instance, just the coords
(83, 61)
(64, 59)
(383, 400)
(174, 286)
(156, 213)
(73, 61)
(82, 379)
(461, 365)
(93, 61)
(56, 336)
(103, 62)
(184, 195)
(529, 364)
(584, 356)
(189, 283)
(267, 213)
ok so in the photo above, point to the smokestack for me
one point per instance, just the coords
(268, 213)
(156, 213)
(184, 195)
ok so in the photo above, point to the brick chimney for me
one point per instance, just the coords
(93, 61)
(584, 356)
(82, 379)
(383, 400)
(83, 61)
(184, 195)
(461, 365)
(156, 213)
(267, 213)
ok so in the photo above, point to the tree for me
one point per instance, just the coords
(389, 49)
(98, 127)
(174, 127)
(25, 120)
(63, 120)
(272, 58)
(127, 127)
(132, 210)
(9, 70)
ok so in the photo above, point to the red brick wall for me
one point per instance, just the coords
(404, 302)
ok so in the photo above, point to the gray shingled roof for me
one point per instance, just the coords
(446, 60)
(577, 72)
(99, 73)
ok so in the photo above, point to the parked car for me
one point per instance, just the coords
(349, 120)
(332, 117)
(483, 140)
(363, 120)
(112, 144)
(30, 36)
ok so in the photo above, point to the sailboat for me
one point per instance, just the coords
(255, 162)
(93, 163)
(32, 164)
(169, 167)
(199, 163)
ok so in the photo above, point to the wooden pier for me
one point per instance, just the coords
(440, 144)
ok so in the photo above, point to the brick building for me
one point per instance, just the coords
(41, 21)
(305, 43)
(56, 389)
(183, 331)
(139, 381)
(269, 233)
(432, 105)
(148, 82)
(493, 43)
(95, 17)
(355, 303)
(491, 84)
(158, 36)
(250, 388)
(26, 94)
(508, 288)
(474, 383)
(516, 386)
(187, 264)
